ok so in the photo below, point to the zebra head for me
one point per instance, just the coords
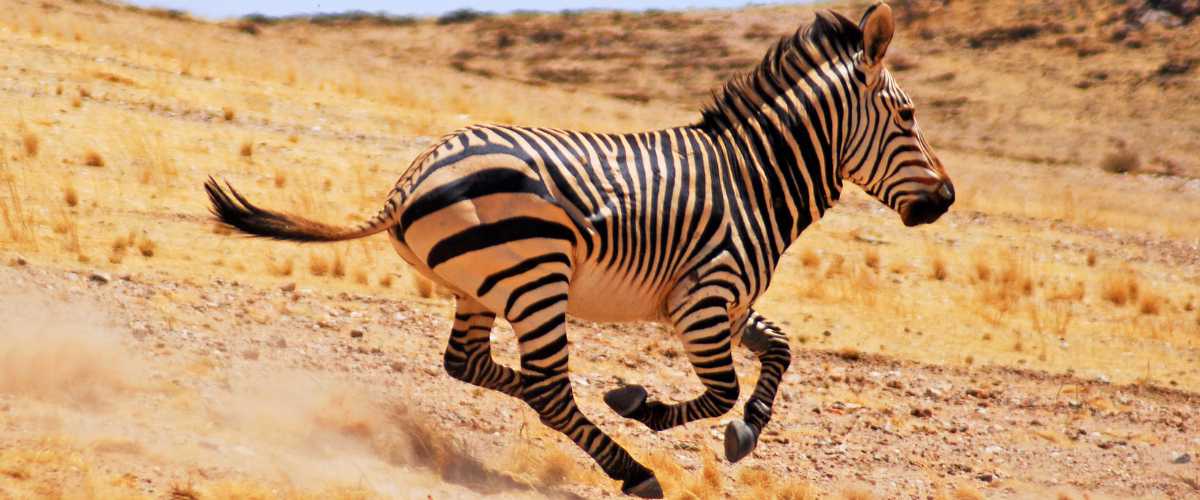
(892, 162)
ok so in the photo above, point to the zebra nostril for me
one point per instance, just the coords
(947, 193)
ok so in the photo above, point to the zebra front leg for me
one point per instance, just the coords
(469, 351)
(703, 323)
(771, 346)
(538, 315)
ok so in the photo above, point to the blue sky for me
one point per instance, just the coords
(217, 9)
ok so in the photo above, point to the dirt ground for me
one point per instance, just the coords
(1042, 340)
(215, 393)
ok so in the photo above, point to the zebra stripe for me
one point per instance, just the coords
(683, 226)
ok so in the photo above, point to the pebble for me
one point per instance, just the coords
(290, 287)
(1181, 458)
(356, 333)
(17, 261)
(100, 278)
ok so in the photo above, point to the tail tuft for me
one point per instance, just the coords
(233, 210)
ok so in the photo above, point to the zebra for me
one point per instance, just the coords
(682, 226)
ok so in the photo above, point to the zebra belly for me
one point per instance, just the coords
(598, 294)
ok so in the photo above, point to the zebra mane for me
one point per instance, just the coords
(811, 42)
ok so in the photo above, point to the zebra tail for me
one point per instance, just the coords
(233, 210)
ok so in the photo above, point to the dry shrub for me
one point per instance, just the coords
(92, 158)
(146, 247)
(1091, 258)
(871, 259)
(361, 277)
(546, 465)
(338, 269)
(755, 483)
(1121, 161)
(857, 493)
(284, 267)
(280, 179)
(423, 285)
(70, 196)
(1151, 303)
(937, 268)
(228, 113)
(31, 143)
(385, 281)
(1120, 286)
(317, 265)
(966, 492)
(247, 149)
(836, 266)
(810, 259)
(708, 484)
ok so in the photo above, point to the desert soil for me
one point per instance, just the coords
(227, 383)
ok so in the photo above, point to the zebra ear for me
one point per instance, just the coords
(877, 26)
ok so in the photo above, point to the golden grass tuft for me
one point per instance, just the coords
(247, 149)
(92, 158)
(146, 247)
(70, 196)
(385, 280)
(966, 492)
(423, 285)
(1151, 303)
(1120, 287)
(937, 268)
(871, 259)
(31, 143)
(759, 483)
(228, 113)
(280, 179)
(810, 259)
(317, 265)
(282, 268)
(857, 493)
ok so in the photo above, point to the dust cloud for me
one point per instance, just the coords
(68, 374)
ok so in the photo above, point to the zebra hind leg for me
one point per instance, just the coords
(771, 346)
(469, 352)
(541, 332)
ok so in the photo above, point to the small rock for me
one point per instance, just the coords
(290, 287)
(827, 333)
(356, 333)
(986, 477)
(921, 412)
(396, 366)
(17, 261)
(100, 278)
(1181, 458)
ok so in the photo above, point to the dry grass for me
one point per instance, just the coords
(228, 113)
(70, 195)
(247, 149)
(1122, 161)
(31, 143)
(937, 267)
(92, 158)
(1120, 286)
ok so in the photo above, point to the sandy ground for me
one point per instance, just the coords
(166, 384)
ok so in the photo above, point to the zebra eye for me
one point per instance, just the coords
(906, 115)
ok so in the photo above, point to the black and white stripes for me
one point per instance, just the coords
(683, 226)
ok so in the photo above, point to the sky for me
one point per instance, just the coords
(218, 9)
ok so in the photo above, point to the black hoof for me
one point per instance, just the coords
(740, 440)
(645, 488)
(626, 401)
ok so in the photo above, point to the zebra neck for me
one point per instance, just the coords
(783, 172)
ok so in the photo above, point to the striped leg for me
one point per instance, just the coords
(469, 351)
(771, 346)
(703, 323)
(537, 311)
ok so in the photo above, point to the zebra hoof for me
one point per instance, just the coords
(646, 488)
(740, 440)
(626, 401)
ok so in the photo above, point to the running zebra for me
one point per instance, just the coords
(682, 226)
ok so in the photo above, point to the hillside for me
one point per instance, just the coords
(1043, 338)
